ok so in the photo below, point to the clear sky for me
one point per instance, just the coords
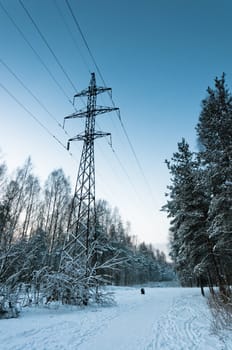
(159, 56)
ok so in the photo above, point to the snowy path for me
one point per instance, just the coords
(163, 319)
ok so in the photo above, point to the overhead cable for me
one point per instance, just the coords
(38, 122)
(35, 52)
(117, 111)
(47, 44)
(32, 94)
(33, 116)
(71, 34)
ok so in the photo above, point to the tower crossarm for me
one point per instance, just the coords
(97, 90)
(90, 137)
(85, 113)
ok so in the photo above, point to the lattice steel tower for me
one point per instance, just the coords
(82, 221)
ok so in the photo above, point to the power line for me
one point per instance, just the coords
(74, 41)
(33, 116)
(120, 164)
(71, 35)
(47, 44)
(41, 61)
(40, 103)
(32, 94)
(83, 38)
(99, 72)
(135, 155)
(40, 123)
(117, 111)
(35, 52)
(125, 172)
(36, 98)
(55, 57)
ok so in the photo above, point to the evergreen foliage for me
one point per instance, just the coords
(200, 197)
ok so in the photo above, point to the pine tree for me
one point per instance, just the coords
(187, 208)
(215, 137)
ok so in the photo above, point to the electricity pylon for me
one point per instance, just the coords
(81, 233)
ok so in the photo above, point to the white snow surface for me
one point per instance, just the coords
(162, 319)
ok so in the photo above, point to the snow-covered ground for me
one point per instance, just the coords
(162, 319)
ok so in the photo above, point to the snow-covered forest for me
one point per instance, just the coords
(35, 272)
(200, 197)
(33, 229)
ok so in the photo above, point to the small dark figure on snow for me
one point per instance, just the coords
(142, 291)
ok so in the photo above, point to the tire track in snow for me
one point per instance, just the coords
(182, 327)
(28, 340)
(82, 326)
(132, 327)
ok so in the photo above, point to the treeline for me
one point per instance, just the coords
(200, 197)
(33, 229)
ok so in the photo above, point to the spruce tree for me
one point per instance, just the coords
(187, 207)
(214, 132)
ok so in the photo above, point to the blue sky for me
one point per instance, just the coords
(158, 56)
